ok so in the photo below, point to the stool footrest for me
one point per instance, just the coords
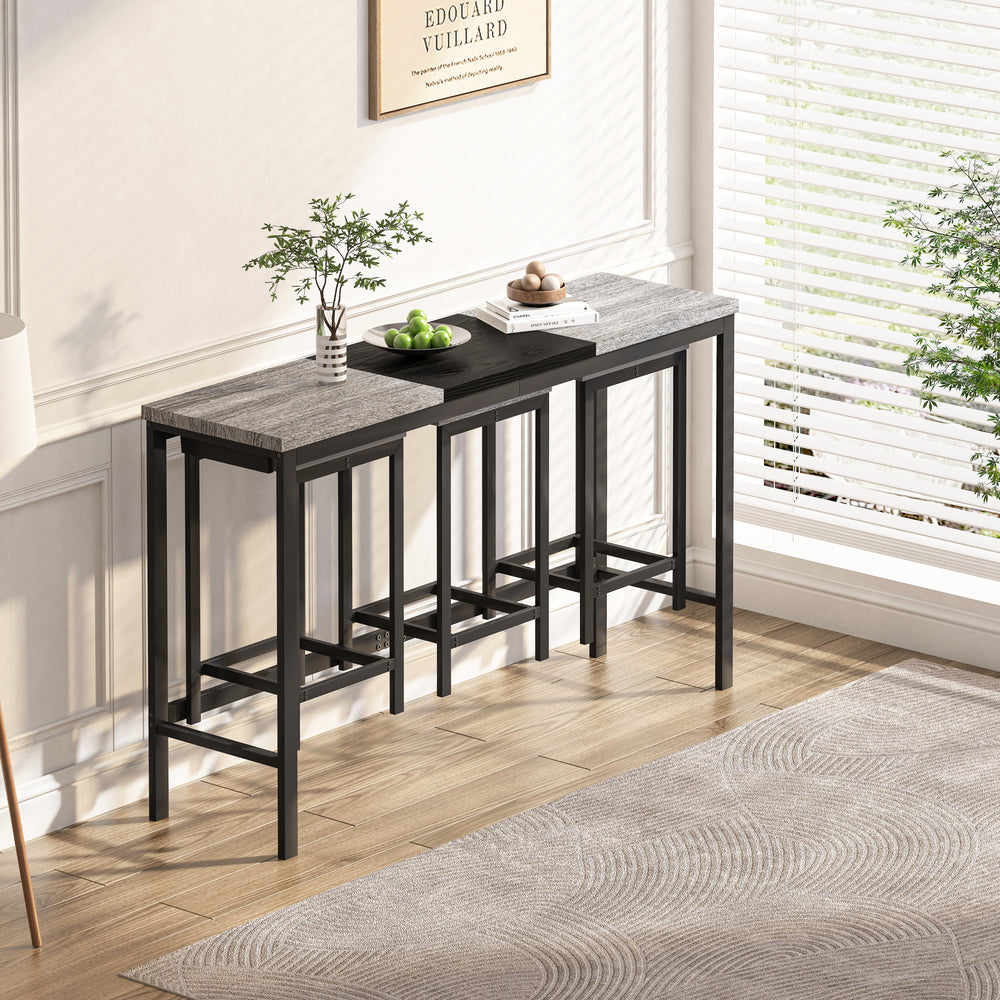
(334, 651)
(381, 608)
(610, 579)
(494, 625)
(625, 552)
(478, 600)
(265, 680)
(221, 744)
(528, 555)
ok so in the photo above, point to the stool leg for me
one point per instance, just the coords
(585, 508)
(489, 514)
(443, 563)
(678, 527)
(15, 822)
(396, 688)
(192, 585)
(289, 655)
(156, 616)
(345, 559)
(302, 568)
(542, 530)
(599, 645)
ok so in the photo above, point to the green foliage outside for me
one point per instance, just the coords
(956, 233)
(328, 254)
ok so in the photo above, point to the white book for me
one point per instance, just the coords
(544, 322)
(510, 309)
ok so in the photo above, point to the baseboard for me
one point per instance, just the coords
(916, 618)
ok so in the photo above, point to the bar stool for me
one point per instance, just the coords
(457, 604)
(358, 659)
(589, 574)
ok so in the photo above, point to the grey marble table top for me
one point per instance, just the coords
(287, 407)
(633, 310)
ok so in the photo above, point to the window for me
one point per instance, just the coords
(827, 111)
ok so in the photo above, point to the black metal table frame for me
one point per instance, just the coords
(295, 467)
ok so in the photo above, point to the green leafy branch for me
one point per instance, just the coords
(957, 234)
(336, 252)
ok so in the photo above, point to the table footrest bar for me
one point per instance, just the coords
(657, 587)
(263, 681)
(625, 552)
(221, 744)
(334, 651)
(353, 676)
(615, 579)
(478, 600)
(493, 626)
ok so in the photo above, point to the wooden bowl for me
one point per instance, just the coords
(536, 298)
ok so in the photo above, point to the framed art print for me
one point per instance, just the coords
(421, 54)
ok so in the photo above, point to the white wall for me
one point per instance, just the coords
(145, 144)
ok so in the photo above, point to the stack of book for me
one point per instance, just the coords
(513, 317)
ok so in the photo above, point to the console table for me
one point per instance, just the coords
(281, 421)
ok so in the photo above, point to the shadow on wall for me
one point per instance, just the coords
(95, 339)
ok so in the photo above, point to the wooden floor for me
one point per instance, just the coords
(118, 890)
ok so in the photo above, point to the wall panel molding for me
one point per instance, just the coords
(102, 714)
(8, 115)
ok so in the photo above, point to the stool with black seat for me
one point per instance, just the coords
(456, 605)
(590, 574)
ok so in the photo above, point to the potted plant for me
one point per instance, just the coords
(957, 234)
(334, 253)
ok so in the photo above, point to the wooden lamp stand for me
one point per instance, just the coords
(15, 822)
(18, 437)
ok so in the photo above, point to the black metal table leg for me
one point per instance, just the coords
(542, 530)
(599, 644)
(724, 444)
(678, 487)
(302, 566)
(289, 655)
(156, 597)
(397, 638)
(489, 514)
(345, 559)
(585, 508)
(192, 586)
(443, 629)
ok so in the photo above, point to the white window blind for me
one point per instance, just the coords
(827, 111)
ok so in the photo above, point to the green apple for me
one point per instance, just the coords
(415, 314)
(390, 335)
(444, 327)
(418, 325)
(441, 338)
(403, 341)
(422, 340)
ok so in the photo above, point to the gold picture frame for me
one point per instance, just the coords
(421, 55)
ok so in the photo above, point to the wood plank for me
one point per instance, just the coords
(202, 868)
(86, 965)
(50, 888)
(120, 826)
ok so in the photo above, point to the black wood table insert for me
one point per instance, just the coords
(282, 422)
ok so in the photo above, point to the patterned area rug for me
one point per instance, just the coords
(847, 848)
